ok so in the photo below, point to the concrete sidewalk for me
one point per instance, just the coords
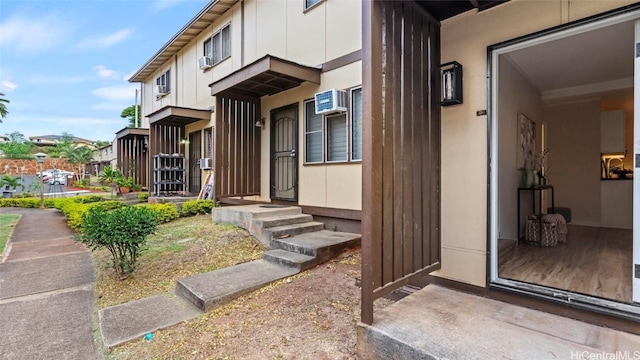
(46, 291)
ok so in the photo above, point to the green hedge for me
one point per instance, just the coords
(195, 207)
(164, 212)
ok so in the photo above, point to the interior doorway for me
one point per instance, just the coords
(562, 220)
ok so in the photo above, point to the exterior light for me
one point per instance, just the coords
(451, 83)
(40, 159)
(260, 122)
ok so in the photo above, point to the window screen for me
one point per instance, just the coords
(337, 137)
(356, 124)
(313, 134)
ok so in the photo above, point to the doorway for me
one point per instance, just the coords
(566, 84)
(195, 153)
(284, 156)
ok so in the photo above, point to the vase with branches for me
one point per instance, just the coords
(542, 168)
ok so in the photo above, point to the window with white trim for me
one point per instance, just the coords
(335, 137)
(356, 124)
(218, 46)
(163, 83)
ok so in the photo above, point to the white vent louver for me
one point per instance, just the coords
(330, 101)
(205, 62)
(205, 164)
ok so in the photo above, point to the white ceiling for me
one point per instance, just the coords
(597, 59)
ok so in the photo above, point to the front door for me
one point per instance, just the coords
(284, 157)
(195, 153)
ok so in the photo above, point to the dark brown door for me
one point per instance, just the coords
(195, 153)
(284, 156)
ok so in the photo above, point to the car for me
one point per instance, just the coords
(58, 177)
(45, 172)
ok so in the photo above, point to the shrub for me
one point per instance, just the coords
(143, 196)
(164, 212)
(196, 207)
(122, 231)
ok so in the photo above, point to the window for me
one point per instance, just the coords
(218, 46)
(356, 124)
(313, 133)
(208, 143)
(335, 137)
(310, 3)
(163, 83)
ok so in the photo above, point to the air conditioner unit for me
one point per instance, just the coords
(205, 164)
(205, 62)
(331, 101)
(161, 90)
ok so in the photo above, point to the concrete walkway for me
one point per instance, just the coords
(46, 291)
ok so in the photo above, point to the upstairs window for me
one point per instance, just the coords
(218, 46)
(163, 83)
(308, 4)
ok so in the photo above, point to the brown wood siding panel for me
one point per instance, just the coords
(401, 209)
(372, 154)
(236, 146)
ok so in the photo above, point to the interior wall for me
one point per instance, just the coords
(574, 166)
(516, 95)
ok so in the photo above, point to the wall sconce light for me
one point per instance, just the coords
(184, 141)
(260, 122)
(451, 83)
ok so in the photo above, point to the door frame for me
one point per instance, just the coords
(194, 163)
(564, 297)
(296, 147)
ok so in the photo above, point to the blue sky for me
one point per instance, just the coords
(64, 65)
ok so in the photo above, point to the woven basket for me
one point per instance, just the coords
(541, 233)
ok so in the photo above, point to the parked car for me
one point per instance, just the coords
(58, 177)
(45, 172)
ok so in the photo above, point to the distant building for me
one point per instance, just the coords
(52, 140)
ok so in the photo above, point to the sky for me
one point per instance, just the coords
(65, 65)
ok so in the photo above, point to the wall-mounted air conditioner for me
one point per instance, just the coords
(205, 62)
(160, 90)
(330, 101)
(205, 164)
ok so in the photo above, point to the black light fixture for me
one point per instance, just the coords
(451, 83)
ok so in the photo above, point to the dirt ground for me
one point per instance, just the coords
(312, 315)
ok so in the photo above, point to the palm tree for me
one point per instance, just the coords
(3, 107)
(78, 156)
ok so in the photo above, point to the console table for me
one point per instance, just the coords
(534, 190)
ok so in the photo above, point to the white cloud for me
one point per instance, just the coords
(105, 73)
(116, 92)
(109, 106)
(105, 41)
(129, 75)
(7, 86)
(35, 35)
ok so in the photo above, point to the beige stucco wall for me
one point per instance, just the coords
(281, 29)
(465, 38)
(332, 185)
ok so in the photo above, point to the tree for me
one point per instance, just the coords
(18, 147)
(130, 113)
(3, 107)
(102, 143)
(79, 157)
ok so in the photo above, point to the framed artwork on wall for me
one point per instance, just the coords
(526, 142)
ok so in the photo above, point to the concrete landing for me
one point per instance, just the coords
(210, 289)
(439, 323)
(243, 215)
(125, 322)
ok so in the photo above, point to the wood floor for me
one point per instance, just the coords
(594, 261)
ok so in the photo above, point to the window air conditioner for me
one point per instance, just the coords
(161, 90)
(205, 164)
(331, 101)
(205, 62)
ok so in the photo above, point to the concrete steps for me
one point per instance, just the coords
(297, 243)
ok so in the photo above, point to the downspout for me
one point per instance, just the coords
(241, 33)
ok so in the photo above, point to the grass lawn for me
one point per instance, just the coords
(7, 222)
(179, 249)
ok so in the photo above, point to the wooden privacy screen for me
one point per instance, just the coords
(133, 160)
(236, 146)
(401, 143)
